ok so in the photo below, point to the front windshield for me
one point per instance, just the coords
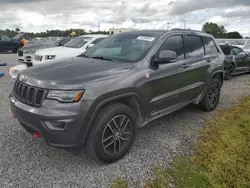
(78, 42)
(125, 47)
(18, 36)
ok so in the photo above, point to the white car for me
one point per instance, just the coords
(71, 49)
(247, 47)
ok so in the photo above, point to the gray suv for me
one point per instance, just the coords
(99, 99)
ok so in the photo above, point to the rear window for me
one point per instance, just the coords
(210, 46)
(194, 47)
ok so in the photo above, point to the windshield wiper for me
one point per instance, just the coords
(83, 56)
(103, 58)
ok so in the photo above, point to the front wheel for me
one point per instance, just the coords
(212, 96)
(113, 133)
(14, 51)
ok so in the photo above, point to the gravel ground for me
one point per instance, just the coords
(25, 162)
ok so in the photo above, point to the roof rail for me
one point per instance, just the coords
(179, 29)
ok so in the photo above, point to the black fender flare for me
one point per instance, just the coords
(105, 102)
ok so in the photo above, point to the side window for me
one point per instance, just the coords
(174, 43)
(97, 40)
(194, 46)
(225, 49)
(4, 38)
(235, 51)
(210, 46)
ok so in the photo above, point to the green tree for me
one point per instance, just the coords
(234, 35)
(17, 30)
(218, 31)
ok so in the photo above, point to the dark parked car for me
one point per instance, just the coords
(7, 44)
(100, 98)
(236, 61)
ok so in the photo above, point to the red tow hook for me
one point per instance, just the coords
(36, 135)
(13, 116)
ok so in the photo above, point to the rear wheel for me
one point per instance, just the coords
(212, 96)
(229, 72)
(113, 133)
(15, 50)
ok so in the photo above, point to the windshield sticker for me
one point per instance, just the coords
(150, 39)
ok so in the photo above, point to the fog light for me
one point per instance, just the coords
(56, 125)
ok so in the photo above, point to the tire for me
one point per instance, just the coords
(212, 95)
(229, 72)
(104, 143)
(15, 51)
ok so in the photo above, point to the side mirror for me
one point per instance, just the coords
(165, 56)
(90, 46)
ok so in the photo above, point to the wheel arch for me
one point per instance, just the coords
(220, 75)
(131, 100)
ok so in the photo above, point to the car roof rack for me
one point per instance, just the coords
(179, 29)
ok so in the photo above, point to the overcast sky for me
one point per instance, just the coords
(42, 15)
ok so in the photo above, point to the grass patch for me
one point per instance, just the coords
(119, 184)
(220, 160)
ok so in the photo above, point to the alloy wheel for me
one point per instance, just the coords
(214, 94)
(116, 134)
(230, 71)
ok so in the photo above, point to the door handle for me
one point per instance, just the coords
(208, 60)
(185, 65)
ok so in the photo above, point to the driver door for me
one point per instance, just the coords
(169, 82)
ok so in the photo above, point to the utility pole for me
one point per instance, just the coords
(98, 27)
(185, 24)
(168, 27)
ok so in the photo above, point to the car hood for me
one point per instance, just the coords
(61, 51)
(35, 47)
(73, 73)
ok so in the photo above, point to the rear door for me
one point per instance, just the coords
(199, 63)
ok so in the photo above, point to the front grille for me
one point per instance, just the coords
(38, 58)
(20, 53)
(29, 95)
(28, 58)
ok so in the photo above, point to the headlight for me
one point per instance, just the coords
(65, 96)
(48, 57)
(30, 52)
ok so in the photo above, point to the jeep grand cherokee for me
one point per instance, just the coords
(99, 99)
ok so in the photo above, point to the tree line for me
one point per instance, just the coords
(50, 33)
(219, 31)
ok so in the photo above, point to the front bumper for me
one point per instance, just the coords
(60, 125)
(26, 58)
